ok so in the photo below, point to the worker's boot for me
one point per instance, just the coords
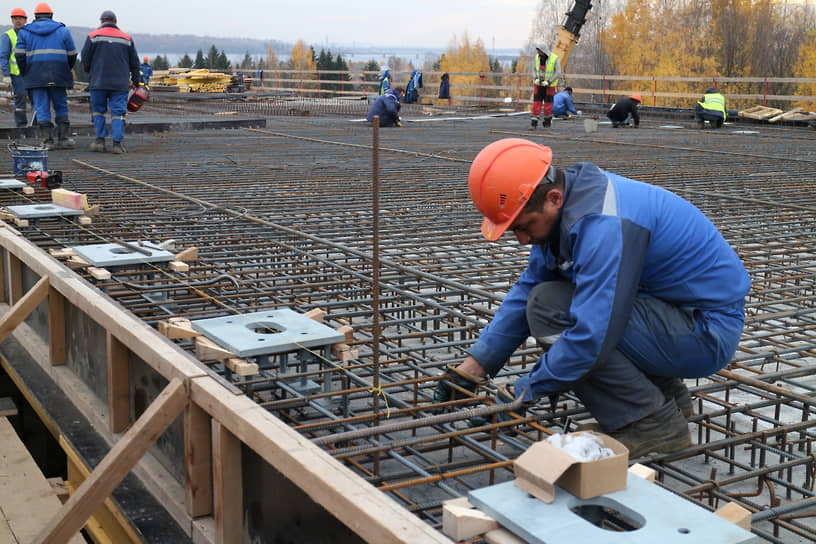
(98, 145)
(664, 431)
(118, 148)
(45, 129)
(675, 388)
(700, 123)
(533, 124)
(64, 140)
(547, 122)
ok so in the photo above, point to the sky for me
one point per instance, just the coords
(501, 24)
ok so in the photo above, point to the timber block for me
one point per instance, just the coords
(241, 366)
(20, 222)
(644, 472)
(207, 350)
(736, 514)
(61, 253)
(189, 254)
(348, 332)
(99, 273)
(84, 220)
(76, 262)
(502, 536)
(344, 352)
(177, 327)
(178, 266)
(317, 314)
(28, 190)
(461, 522)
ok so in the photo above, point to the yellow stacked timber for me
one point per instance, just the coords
(194, 81)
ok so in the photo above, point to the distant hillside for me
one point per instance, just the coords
(184, 43)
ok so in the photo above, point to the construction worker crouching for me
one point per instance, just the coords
(8, 62)
(628, 289)
(46, 54)
(563, 105)
(711, 109)
(387, 107)
(109, 56)
(546, 71)
(625, 110)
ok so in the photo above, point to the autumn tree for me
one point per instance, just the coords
(271, 57)
(302, 59)
(806, 68)
(464, 56)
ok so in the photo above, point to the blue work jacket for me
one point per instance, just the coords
(615, 239)
(109, 57)
(45, 53)
(387, 107)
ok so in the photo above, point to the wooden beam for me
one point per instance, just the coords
(21, 309)
(197, 460)
(15, 279)
(228, 508)
(57, 347)
(115, 465)
(118, 385)
(3, 254)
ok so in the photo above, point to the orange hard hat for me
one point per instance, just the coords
(502, 177)
(145, 59)
(635, 97)
(42, 7)
(18, 12)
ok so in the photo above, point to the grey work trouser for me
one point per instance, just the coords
(661, 342)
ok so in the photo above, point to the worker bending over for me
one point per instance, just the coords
(628, 289)
(546, 71)
(563, 106)
(387, 107)
(625, 110)
(711, 109)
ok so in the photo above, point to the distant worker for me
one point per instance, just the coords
(109, 57)
(546, 71)
(414, 85)
(145, 72)
(625, 110)
(385, 81)
(711, 109)
(46, 54)
(444, 86)
(387, 107)
(629, 289)
(8, 62)
(563, 106)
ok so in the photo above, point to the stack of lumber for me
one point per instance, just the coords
(773, 115)
(190, 81)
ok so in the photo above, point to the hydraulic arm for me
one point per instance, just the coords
(569, 32)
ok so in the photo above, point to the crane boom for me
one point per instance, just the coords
(569, 32)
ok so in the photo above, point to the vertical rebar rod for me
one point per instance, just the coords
(375, 275)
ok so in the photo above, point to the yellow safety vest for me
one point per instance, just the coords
(549, 68)
(714, 101)
(13, 68)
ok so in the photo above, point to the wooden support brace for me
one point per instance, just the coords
(92, 211)
(227, 491)
(317, 314)
(241, 366)
(177, 327)
(116, 465)
(644, 472)
(15, 266)
(344, 353)
(178, 266)
(21, 309)
(461, 522)
(736, 514)
(75, 262)
(197, 460)
(207, 350)
(99, 273)
(189, 254)
(59, 487)
(61, 253)
(57, 346)
(118, 385)
(84, 220)
(502, 536)
(28, 190)
(348, 332)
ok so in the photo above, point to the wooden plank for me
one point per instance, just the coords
(26, 497)
(15, 279)
(502, 536)
(3, 255)
(197, 460)
(317, 314)
(648, 474)
(177, 327)
(736, 514)
(118, 385)
(461, 523)
(189, 254)
(23, 308)
(7, 407)
(115, 465)
(371, 514)
(783, 116)
(99, 273)
(178, 266)
(344, 352)
(348, 332)
(241, 366)
(228, 506)
(207, 350)
(57, 346)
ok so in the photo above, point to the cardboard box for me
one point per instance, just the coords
(543, 466)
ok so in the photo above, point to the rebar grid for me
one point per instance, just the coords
(282, 218)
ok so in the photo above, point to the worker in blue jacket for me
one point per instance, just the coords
(46, 54)
(109, 57)
(387, 107)
(629, 288)
(563, 105)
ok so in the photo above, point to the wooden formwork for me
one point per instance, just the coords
(217, 422)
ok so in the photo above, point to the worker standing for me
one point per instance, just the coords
(711, 109)
(628, 289)
(109, 56)
(145, 72)
(563, 105)
(546, 71)
(385, 81)
(625, 110)
(8, 62)
(387, 107)
(46, 54)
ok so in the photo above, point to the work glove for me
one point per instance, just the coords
(578, 112)
(398, 122)
(536, 81)
(545, 83)
(445, 393)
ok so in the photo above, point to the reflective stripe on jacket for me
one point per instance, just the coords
(549, 68)
(714, 102)
(109, 56)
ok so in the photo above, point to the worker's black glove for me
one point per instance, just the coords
(445, 389)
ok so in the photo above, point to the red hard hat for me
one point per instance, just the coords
(42, 7)
(502, 177)
(18, 12)
(635, 97)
